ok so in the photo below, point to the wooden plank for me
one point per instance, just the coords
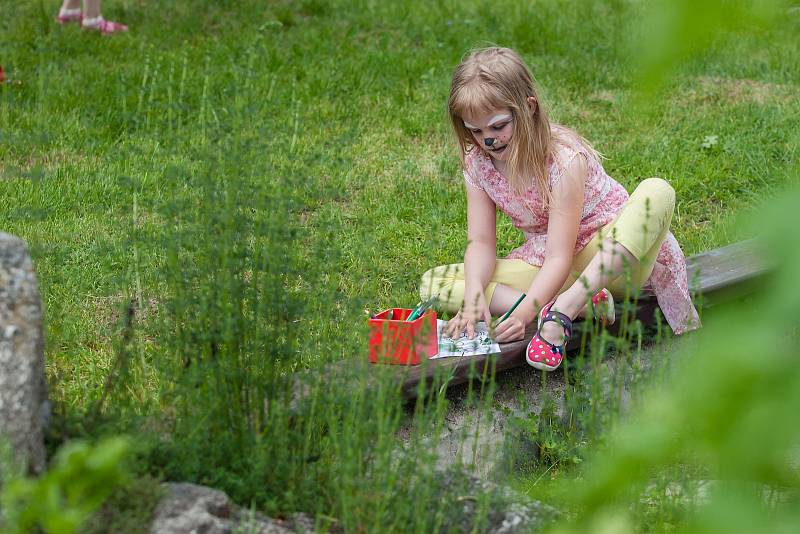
(718, 275)
(727, 266)
(727, 273)
(458, 369)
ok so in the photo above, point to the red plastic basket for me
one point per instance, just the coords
(400, 342)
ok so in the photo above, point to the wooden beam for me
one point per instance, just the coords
(716, 276)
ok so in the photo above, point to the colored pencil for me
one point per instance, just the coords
(514, 307)
(413, 314)
(421, 308)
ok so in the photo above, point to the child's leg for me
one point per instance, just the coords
(91, 9)
(93, 19)
(631, 241)
(70, 11)
(509, 280)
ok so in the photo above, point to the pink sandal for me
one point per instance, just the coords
(106, 27)
(542, 354)
(65, 16)
(547, 356)
(603, 307)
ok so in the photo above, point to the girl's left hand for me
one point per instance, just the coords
(512, 329)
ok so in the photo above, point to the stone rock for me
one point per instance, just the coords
(520, 515)
(508, 511)
(23, 393)
(476, 438)
(487, 440)
(190, 508)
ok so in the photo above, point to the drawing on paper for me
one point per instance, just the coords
(463, 346)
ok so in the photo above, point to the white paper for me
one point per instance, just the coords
(463, 346)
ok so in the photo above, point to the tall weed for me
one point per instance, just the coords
(244, 402)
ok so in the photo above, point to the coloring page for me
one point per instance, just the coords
(463, 346)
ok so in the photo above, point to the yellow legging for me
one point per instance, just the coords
(640, 227)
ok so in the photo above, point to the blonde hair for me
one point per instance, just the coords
(497, 78)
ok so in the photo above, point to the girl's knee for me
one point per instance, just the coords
(427, 285)
(659, 191)
(658, 197)
(436, 280)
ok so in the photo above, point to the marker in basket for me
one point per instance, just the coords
(514, 307)
(416, 312)
(389, 315)
(421, 308)
(413, 313)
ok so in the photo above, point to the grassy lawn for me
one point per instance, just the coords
(316, 131)
(345, 104)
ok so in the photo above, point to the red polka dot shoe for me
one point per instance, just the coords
(541, 353)
(603, 307)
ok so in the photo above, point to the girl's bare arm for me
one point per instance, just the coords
(480, 256)
(479, 260)
(562, 232)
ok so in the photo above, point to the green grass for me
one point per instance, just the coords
(312, 137)
(345, 103)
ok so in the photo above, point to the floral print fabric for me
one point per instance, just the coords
(603, 198)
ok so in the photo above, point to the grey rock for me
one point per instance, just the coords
(476, 438)
(503, 511)
(23, 393)
(190, 508)
(492, 441)
(193, 509)
(485, 439)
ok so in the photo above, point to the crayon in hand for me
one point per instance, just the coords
(509, 312)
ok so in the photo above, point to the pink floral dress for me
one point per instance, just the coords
(603, 198)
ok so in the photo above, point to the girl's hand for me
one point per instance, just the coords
(465, 321)
(455, 326)
(512, 329)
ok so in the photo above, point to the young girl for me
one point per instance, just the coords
(583, 232)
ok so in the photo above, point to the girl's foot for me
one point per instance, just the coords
(103, 26)
(65, 15)
(603, 307)
(547, 348)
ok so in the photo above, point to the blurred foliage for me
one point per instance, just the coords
(722, 428)
(676, 30)
(729, 407)
(62, 499)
